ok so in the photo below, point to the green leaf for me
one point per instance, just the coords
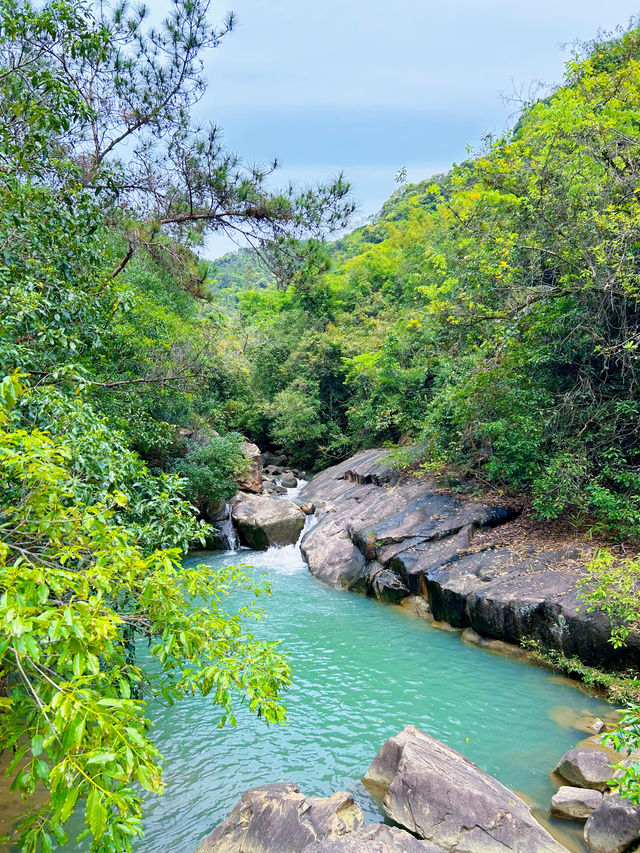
(96, 813)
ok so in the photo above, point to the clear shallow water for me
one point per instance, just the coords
(362, 671)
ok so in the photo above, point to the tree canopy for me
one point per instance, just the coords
(113, 427)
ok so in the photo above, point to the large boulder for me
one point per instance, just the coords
(586, 768)
(438, 794)
(279, 819)
(251, 480)
(374, 838)
(333, 560)
(262, 521)
(575, 803)
(613, 827)
(288, 480)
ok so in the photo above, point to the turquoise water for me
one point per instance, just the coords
(362, 671)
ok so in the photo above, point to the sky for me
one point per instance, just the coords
(369, 87)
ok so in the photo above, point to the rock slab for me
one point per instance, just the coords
(279, 819)
(393, 536)
(441, 796)
(375, 838)
(262, 521)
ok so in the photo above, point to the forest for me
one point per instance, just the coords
(485, 324)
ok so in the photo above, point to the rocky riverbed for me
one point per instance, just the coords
(407, 540)
(440, 801)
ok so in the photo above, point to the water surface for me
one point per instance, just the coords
(362, 671)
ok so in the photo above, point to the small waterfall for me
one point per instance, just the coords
(228, 531)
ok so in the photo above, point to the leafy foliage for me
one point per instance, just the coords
(491, 315)
(111, 355)
(76, 593)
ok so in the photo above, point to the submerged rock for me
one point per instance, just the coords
(279, 819)
(575, 803)
(438, 794)
(375, 838)
(612, 827)
(262, 521)
(586, 768)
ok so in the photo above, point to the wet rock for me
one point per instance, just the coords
(251, 481)
(575, 803)
(308, 507)
(214, 511)
(441, 796)
(288, 480)
(472, 637)
(613, 827)
(384, 584)
(375, 838)
(586, 768)
(262, 521)
(271, 488)
(597, 725)
(417, 605)
(335, 561)
(279, 819)
(274, 469)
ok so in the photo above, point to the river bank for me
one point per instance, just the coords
(394, 536)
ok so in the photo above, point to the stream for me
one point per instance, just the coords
(362, 670)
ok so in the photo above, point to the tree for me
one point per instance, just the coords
(76, 594)
(131, 137)
(105, 186)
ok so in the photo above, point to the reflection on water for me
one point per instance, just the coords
(362, 671)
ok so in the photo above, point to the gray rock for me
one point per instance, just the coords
(586, 768)
(274, 469)
(575, 803)
(438, 794)
(613, 827)
(251, 481)
(375, 838)
(279, 819)
(410, 528)
(334, 560)
(262, 521)
(288, 480)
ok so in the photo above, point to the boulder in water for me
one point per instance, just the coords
(613, 826)
(288, 480)
(586, 768)
(308, 508)
(575, 803)
(438, 794)
(262, 521)
(274, 469)
(334, 560)
(279, 819)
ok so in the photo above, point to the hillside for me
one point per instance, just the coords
(489, 315)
